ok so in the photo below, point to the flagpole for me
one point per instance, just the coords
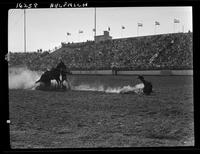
(155, 29)
(95, 24)
(67, 38)
(24, 30)
(79, 36)
(121, 32)
(95, 38)
(137, 30)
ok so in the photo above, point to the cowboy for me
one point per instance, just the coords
(114, 68)
(61, 65)
(147, 85)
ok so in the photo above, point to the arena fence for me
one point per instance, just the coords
(146, 72)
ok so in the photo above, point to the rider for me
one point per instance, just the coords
(63, 71)
(61, 65)
(114, 68)
(147, 85)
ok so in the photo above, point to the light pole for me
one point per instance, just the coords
(24, 30)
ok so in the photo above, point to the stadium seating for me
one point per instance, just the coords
(166, 51)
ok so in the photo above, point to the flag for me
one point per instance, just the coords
(123, 27)
(108, 28)
(80, 31)
(94, 29)
(68, 33)
(157, 23)
(176, 21)
(140, 24)
(153, 57)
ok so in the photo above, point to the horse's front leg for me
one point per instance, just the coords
(61, 83)
(58, 82)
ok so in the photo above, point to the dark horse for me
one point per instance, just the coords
(63, 73)
(55, 74)
(47, 76)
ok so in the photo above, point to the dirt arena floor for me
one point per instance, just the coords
(90, 119)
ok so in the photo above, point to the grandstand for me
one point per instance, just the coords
(155, 52)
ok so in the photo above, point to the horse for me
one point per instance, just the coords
(64, 71)
(47, 76)
(59, 73)
(64, 74)
(55, 75)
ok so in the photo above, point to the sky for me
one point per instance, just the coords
(47, 28)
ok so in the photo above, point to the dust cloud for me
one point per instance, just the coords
(86, 87)
(22, 78)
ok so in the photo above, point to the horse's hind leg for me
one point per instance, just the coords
(68, 84)
(57, 84)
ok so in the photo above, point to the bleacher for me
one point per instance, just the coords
(166, 51)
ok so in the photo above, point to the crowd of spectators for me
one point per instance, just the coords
(166, 51)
